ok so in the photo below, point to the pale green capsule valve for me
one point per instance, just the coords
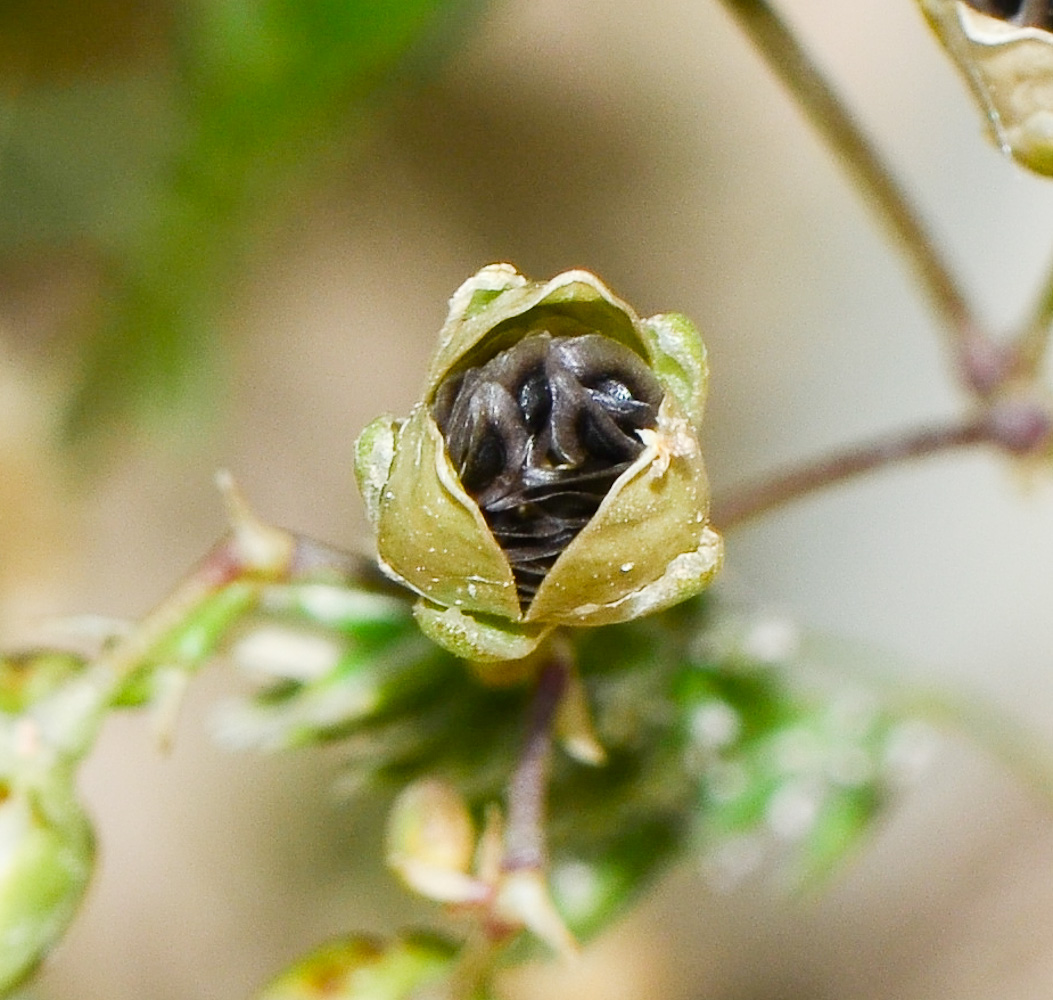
(551, 473)
(46, 860)
(1005, 52)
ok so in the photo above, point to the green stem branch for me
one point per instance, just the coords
(1004, 739)
(187, 626)
(1033, 341)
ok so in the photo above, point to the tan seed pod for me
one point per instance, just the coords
(1007, 61)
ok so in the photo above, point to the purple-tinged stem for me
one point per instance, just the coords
(528, 790)
(828, 114)
(750, 501)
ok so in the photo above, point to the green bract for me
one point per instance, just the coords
(647, 546)
(1008, 64)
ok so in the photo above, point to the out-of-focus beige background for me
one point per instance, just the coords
(648, 143)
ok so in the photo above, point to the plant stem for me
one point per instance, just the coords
(829, 116)
(220, 568)
(1023, 755)
(253, 555)
(528, 789)
(758, 498)
(1033, 341)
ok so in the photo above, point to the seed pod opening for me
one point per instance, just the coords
(1022, 13)
(538, 436)
(1004, 50)
(551, 473)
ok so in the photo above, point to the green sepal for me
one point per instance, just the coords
(432, 536)
(482, 639)
(571, 303)
(374, 453)
(647, 547)
(678, 357)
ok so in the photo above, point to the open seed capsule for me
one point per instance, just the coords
(551, 473)
(1004, 50)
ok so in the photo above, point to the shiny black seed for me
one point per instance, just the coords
(540, 433)
(1024, 13)
(535, 399)
(486, 460)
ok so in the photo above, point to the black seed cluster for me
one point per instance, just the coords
(539, 434)
(1024, 13)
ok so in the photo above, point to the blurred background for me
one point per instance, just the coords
(228, 231)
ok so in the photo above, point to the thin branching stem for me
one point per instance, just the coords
(1033, 342)
(754, 499)
(1025, 756)
(831, 118)
(528, 789)
(227, 563)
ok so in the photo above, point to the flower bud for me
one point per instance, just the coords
(1005, 53)
(430, 842)
(50, 709)
(46, 854)
(551, 474)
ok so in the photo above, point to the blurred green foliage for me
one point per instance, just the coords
(710, 743)
(50, 710)
(362, 968)
(157, 141)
